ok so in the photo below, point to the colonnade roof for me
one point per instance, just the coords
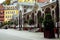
(41, 4)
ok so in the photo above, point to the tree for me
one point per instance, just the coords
(48, 27)
(7, 2)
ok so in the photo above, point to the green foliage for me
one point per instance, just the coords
(16, 22)
(5, 23)
(2, 24)
(25, 21)
(48, 22)
(10, 23)
(40, 19)
(31, 22)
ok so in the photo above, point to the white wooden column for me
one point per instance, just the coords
(55, 18)
(35, 19)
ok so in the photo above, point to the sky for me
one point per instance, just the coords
(1, 1)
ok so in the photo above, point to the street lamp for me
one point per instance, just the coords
(19, 22)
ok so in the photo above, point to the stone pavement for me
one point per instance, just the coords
(11, 34)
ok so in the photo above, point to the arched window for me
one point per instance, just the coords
(47, 10)
(39, 14)
(52, 14)
(32, 16)
(27, 17)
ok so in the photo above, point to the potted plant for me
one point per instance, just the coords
(48, 27)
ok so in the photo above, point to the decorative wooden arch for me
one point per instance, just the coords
(47, 10)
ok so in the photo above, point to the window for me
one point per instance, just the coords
(1, 16)
(6, 16)
(35, 11)
(43, 15)
(20, 0)
(32, 16)
(52, 14)
(0, 13)
(24, 6)
(39, 13)
(10, 12)
(13, 11)
(26, 0)
(10, 16)
(15, 7)
(6, 12)
(27, 17)
(42, 9)
(11, 7)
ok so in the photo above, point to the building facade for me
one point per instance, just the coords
(10, 12)
(30, 9)
(1, 13)
(36, 8)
